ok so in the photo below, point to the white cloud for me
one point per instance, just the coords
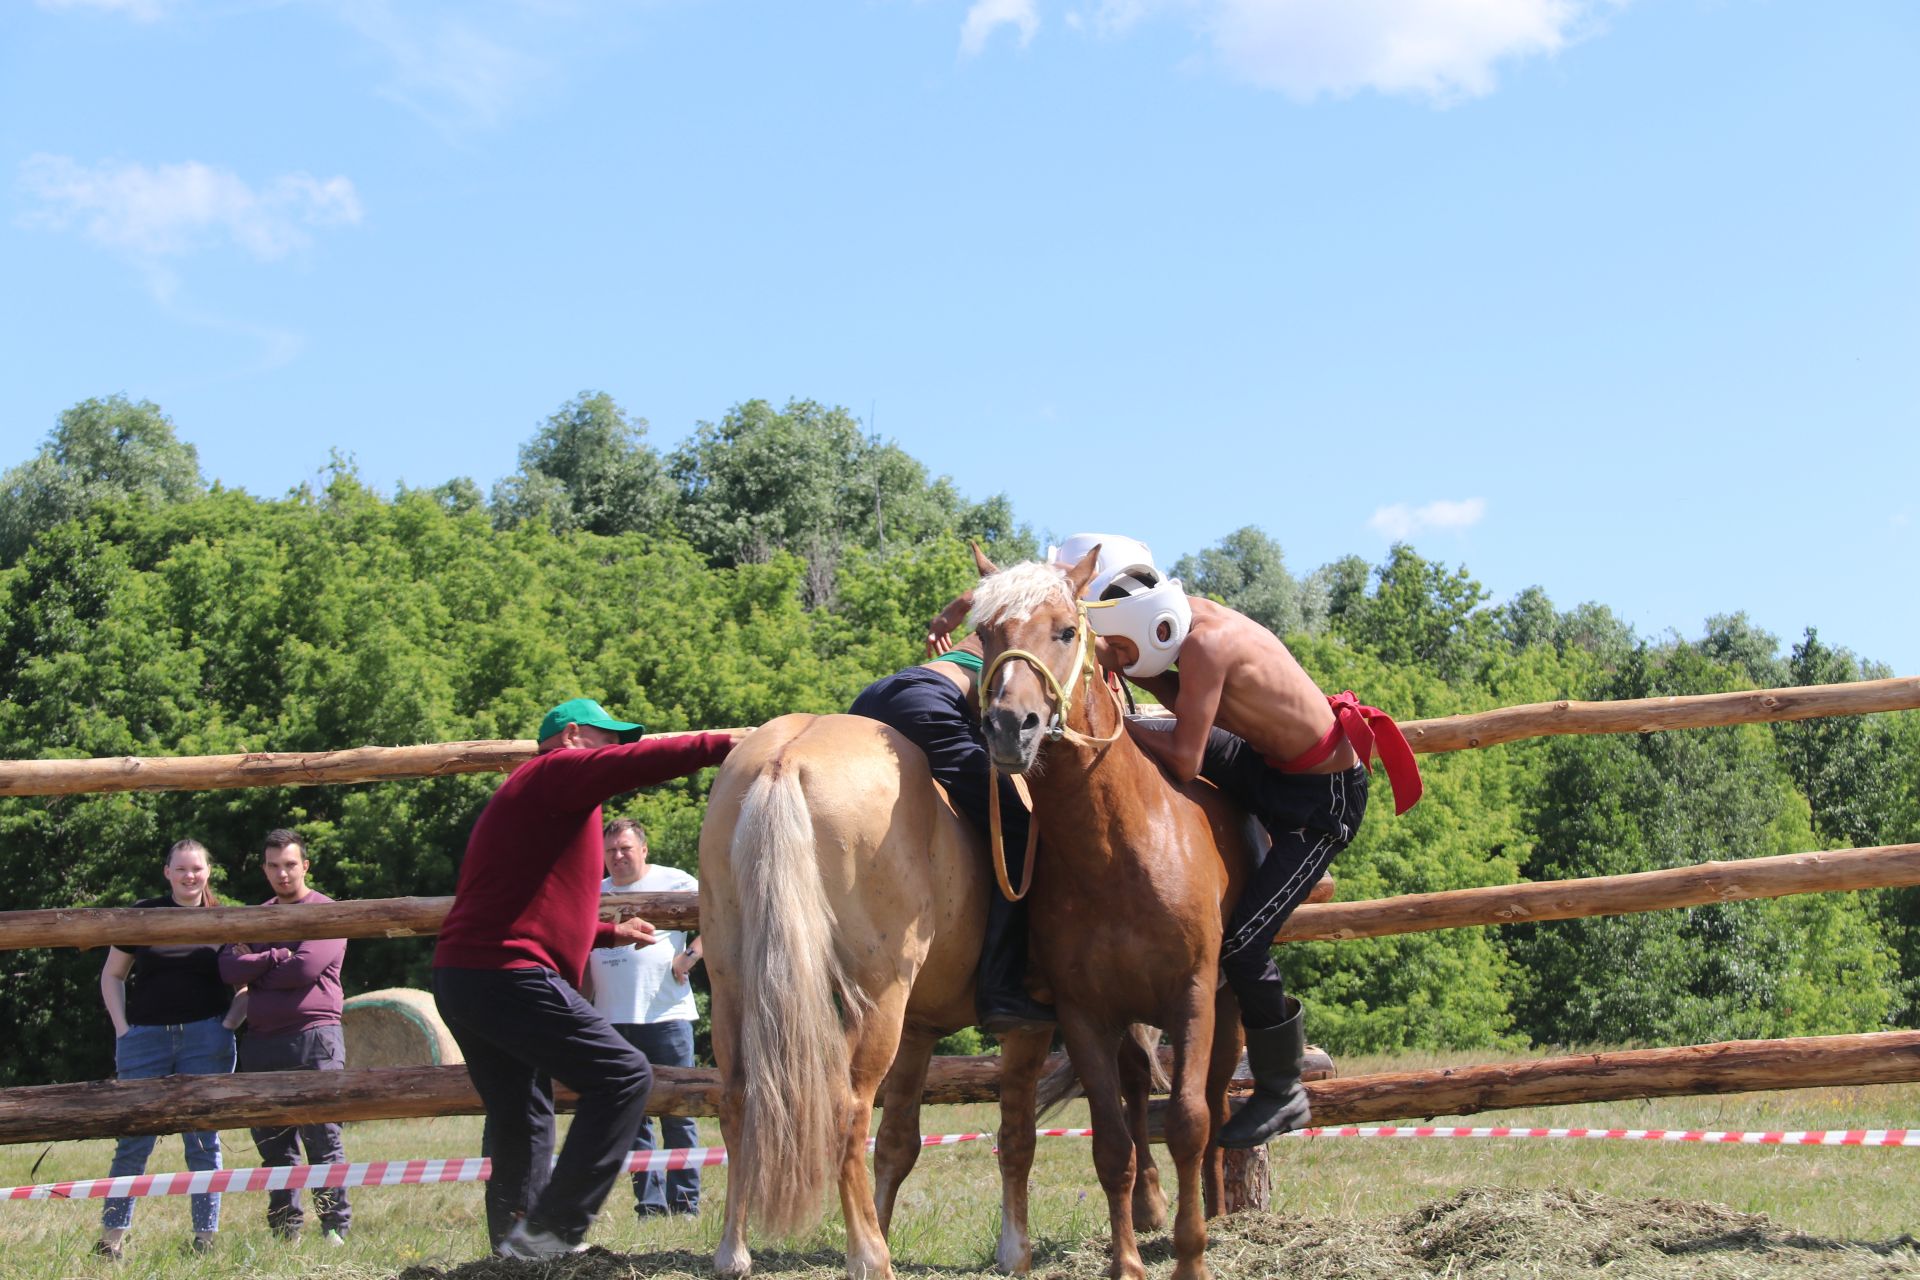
(1400, 521)
(138, 10)
(444, 67)
(986, 16)
(1441, 49)
(173, 209)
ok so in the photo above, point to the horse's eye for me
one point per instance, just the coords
(1067, 634)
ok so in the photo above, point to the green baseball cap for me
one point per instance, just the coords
(586, 711)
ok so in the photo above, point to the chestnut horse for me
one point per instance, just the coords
(1131, 886)
(842, 905)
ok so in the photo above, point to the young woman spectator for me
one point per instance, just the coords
(172, 1016)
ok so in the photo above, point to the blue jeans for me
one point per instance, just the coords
(203, 1048)
(666, 1044)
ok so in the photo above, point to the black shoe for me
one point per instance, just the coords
(1279, 1103)
(199, 1245)
(1014, 1014)
(101, 1249)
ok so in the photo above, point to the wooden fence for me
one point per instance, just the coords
(114, 1107)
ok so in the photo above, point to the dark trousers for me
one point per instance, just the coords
(316, 1049)
(519, 1029)
(665, 1044)
(1310, 818)
(928, 711)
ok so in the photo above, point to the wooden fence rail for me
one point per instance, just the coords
(435, 760)
(111, 1108)
(1880, 867)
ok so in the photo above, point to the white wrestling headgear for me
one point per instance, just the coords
(1123, 560)
(1129, 597)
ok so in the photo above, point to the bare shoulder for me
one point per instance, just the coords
(1229, 635)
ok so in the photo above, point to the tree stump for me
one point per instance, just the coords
(1248, 1184)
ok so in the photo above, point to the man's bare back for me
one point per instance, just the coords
(1236, 674)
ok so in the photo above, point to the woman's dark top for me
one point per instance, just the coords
(175, 984)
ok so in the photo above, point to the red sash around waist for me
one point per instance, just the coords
(1368, 729)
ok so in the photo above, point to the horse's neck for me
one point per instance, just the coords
(1103, 796)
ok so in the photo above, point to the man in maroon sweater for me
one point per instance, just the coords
(526, 912)
(293, 1024)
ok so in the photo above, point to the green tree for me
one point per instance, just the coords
(1419, 614)
(1615, 804)
(99, 451)
(589, 467)
(1247, 571)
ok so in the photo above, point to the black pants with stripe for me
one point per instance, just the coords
(1310, 818)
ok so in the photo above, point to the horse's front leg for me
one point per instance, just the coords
(1136, 1088)
(1190, 1126)
(898, 1148)
(1095, 1052)
(1023, 1056)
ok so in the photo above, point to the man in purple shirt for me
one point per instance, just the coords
(293, 1024)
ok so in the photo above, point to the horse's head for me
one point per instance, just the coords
(1037, 649)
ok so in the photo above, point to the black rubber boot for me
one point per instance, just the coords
(1278, 1103)
(1000, 986)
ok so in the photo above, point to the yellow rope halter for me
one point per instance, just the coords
(1088, 670)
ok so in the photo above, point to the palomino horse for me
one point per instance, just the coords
(842, 903)
(1130, 890)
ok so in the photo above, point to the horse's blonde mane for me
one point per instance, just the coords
(1016, 593)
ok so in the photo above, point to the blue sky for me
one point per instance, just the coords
(1622, 299)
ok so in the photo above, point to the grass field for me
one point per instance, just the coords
(949, 1210)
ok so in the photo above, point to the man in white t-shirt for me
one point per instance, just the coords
(644, 993)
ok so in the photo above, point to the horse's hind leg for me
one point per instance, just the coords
(1023, 1056)
(731, 1257)
(1136, 1087)
(898, 1148)
(872, 1043)
(1221, 1065)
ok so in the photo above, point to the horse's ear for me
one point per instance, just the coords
(1082, 572)
(987, 567)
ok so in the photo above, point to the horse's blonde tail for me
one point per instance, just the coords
(1061, 1083)
(793, 1047)
(1059, 1086)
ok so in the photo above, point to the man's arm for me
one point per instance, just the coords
(583, 779)
(303, 965)
(241, 965)
(1164, 687)
(1185, 749)
(946, 622)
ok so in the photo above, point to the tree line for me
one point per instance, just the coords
(779, 560)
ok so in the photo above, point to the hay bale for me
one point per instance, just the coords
(397, 1027)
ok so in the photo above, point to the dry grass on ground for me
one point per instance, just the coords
(1343, 1209)
(1482, 1233)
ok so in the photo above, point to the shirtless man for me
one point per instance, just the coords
(1252, 722)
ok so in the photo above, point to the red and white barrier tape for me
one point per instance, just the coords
(399, 1173)
(376, 1173)
(1774, 1138)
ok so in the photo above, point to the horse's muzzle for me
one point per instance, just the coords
(1013, 739)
